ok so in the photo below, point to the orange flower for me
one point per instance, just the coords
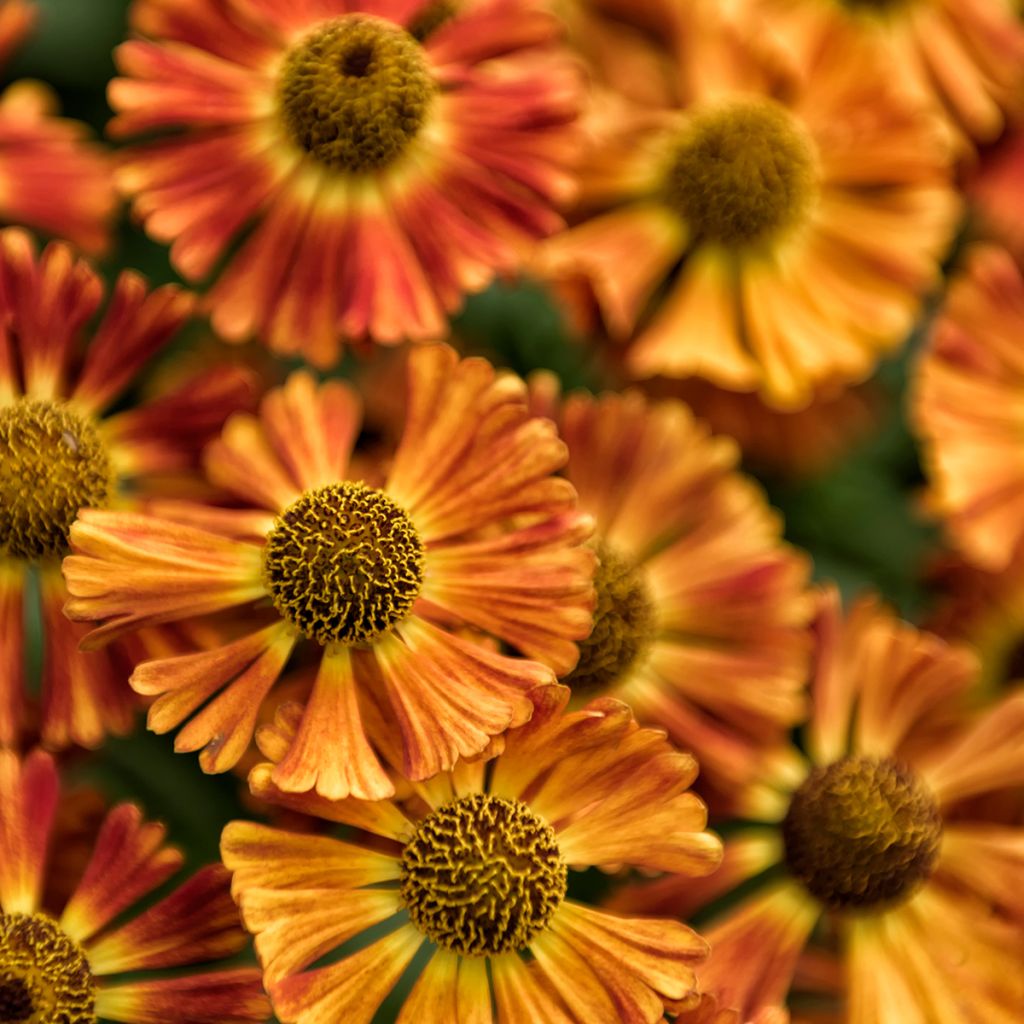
(701, 608)
(775, 234)
(969, 385)
(869, 839)
(470, 527)
(479, 861)
(58, 452)
(383, 177)
(62, 968)
(963, 57)
(52, 176)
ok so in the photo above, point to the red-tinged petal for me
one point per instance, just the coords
(450, 696)
(987, 859)
(387, 295)
(296, 927)
(207, 27)
(246, 669)
(491, 30)
(528, 587)
(350, 990)
(166, 435)
(755, 947)
(434, 997)
(242, 524)
(131, 570)
(568, 972)
(197, 193)
(662, 954)
(260, 857)
(85, 697)
(312, 429)
(381, 817)
(169, 86)
(128, 862)
(53, 177)
(49, 298)
(223, 729)
(747, 854)
(667, 835)
(243, 461)
(989, 756)
(195, 923)
(331, 752)
(523, 993)
(12, 640)
(28, 802)
(219, 997)
(551, 737)
(470, 452)
(624, 255)
(137, 324)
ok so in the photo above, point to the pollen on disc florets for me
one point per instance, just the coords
(482, 876)
(742, 173)
(624, 625)
(343, 563)
(44, 975)
(355, 92)
(52, 463)
(862, 833)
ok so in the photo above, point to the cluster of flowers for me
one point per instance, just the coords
(468, 636)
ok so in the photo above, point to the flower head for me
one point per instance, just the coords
(880, 836)
(61, 450)
(479, 859)
(467, 528)
(391, 155)
(78, 962)
(774, 234)
(702, 610)
(968, 381)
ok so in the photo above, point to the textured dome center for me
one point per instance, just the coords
(482, 876)
(355, 92)
(862, 832)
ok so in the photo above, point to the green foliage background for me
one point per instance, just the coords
(857, 520)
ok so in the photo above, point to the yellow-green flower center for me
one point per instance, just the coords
(624, 625)
(52, 463)
(355, 92)
(482, 876)
(432, 17)
(343, 563)
(862, 833)
(742, 173)
(44, 975)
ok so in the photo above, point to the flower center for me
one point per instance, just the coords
(52, 463)
(432, 17)
(742, 173)
(623, 625)
(355, 92)
(862, 832)
(343, 563)
(44, 976)
(482, 876)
